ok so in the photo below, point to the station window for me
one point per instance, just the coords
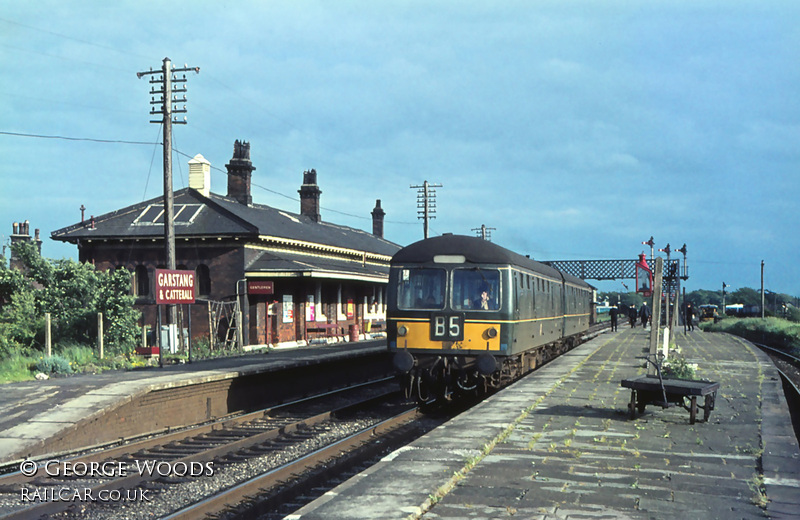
(142, 279)
(203, 280)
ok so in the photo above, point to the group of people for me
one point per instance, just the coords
(643, 314)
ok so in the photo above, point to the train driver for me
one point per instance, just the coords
(484, 301)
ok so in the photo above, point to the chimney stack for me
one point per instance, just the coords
(22, 234)
(309, 196)
(240, 170)
(377, 219)
(200, 174)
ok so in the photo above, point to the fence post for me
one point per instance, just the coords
(48, 338)
(100, 333)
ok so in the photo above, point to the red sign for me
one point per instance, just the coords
(174, 287)
(644, 277)
(260, 287)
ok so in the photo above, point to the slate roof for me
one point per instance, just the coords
(276, 264)
(213, 216)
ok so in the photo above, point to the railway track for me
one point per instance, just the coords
(789, 368)
(787, 364)
(166, 476)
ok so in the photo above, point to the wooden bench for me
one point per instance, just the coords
(378, 326)
(666, 392)
(326, 329)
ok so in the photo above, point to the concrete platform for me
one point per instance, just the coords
(559, 444)
(34, 413)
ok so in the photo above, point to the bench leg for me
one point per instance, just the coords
(693, 410)
(708, 405)
(632, 405)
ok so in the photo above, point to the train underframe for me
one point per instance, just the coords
(441, 377)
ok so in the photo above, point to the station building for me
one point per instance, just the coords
(296, 277)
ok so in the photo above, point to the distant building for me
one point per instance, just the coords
(296, 275)
(21, 233)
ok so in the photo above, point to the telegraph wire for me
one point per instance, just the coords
(274, 116)
(85, 42)
(152, 161)
(68, 138)
(295, 199)
(65, 58)
(156, 143)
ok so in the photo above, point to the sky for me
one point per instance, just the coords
(574, 130)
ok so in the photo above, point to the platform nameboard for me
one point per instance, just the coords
(174, 286)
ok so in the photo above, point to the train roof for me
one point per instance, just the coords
(476, 251)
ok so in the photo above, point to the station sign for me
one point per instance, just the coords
(260, 287)
(174, 287)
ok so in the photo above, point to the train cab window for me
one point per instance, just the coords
(476, 289)
(421, 289)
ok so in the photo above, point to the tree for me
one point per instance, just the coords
(73, 293)
(745, 296)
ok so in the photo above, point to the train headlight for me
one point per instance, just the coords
(492, 332)
(402, 330)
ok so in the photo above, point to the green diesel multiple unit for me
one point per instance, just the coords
(466, 315)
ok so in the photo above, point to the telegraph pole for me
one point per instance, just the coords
(166, 104)
(426, 203)
(484, 232)
(762, 289)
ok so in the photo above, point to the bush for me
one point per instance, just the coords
(73, 293)
(16, 368)
(676, 367)
(54, 365)
(79, 355)
(775, 332)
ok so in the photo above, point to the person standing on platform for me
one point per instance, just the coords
(632, 316)
(613, 313)
(644, 314)
(688, 317)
